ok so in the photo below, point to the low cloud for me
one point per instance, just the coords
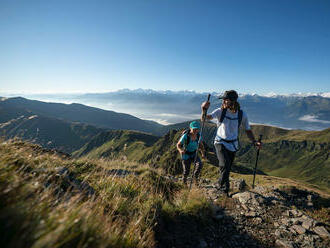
(313, 118)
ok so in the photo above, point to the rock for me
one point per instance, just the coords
(245, 207)
(292, 230)
(299, 229)
(284, 243)
(278, 233)
(251, 214)
(295, 221)
(249, 198)
(239, 184)
(308, 223)
(321, 231)
(296, 213)
(258, 220)
(288, 213)
(285, 221)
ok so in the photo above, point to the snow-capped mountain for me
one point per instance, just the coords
(310, 111)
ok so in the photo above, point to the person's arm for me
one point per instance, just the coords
(250, 135)
(249, 132)
(202, 149)
(205, 106)
(179, 146)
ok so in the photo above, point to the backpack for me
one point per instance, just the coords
(187, 141)
(239, 117)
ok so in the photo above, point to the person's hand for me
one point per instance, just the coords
(181, 151)
(258, 144)
(203, 155)
(205, 105)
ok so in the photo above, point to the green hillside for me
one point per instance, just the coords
(297, 154)
(111, 144)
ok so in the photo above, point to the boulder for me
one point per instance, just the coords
(284, 243)
(321, 231)
(299, 229)
(249, 198)
(308, 223)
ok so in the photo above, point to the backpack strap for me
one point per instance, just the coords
(188, 138)
(223, 114)
(240, 117)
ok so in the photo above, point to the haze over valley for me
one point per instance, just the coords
(292, 111)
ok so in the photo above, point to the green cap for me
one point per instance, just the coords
(195, 124)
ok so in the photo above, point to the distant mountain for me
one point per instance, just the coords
(14, 107)
(293, 111)
(49, 132)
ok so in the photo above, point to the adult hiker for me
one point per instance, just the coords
(229, 117)
(187, 146)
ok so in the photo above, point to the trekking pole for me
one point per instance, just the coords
(200, 136)
(255, 167)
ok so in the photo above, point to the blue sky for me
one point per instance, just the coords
(98, 46)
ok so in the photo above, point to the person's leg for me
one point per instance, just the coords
(231, 157)
(224, 166)
(186, 169)
(198, 169)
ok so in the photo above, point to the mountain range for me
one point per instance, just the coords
(94, 133)
(292, 111)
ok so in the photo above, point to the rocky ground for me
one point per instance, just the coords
(273, 217)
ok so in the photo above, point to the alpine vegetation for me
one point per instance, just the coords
(49, 199)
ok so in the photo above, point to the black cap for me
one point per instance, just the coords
(230, 94)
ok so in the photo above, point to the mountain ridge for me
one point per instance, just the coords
(295, 111)
(76, 112)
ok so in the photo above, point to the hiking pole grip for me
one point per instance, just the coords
(255, 167)
(204, 109)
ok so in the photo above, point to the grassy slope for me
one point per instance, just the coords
(117, 143)
(38, 205)
(297, 154)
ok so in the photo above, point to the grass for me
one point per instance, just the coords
(44, 209)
